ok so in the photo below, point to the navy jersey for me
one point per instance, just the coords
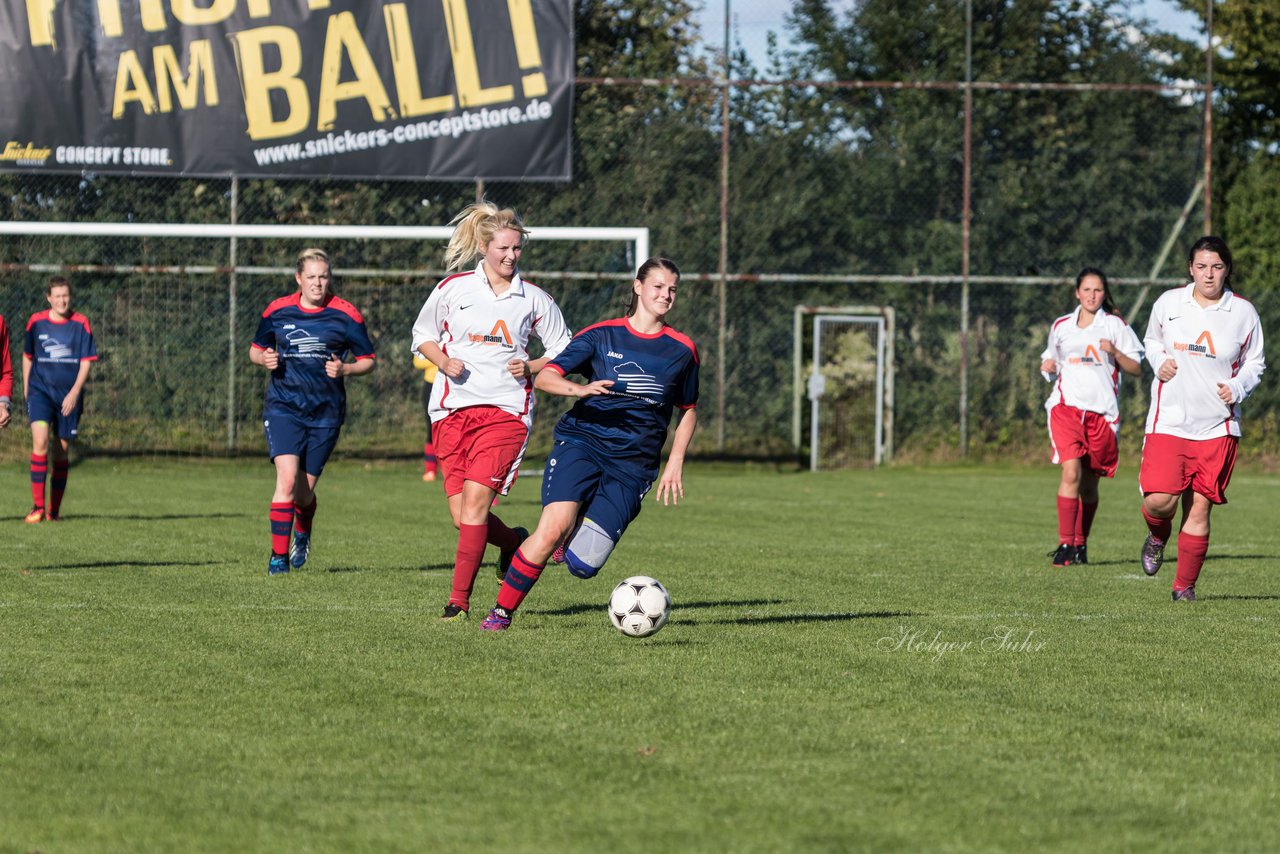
(304, 339)
(56, 349)
(651, 374)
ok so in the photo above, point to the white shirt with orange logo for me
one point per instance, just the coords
(485, 332)
(1088, 378)
(1218, 344)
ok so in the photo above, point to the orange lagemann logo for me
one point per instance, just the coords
(24, 155)
(1202, 347)
(499, 335)
(1090, 357)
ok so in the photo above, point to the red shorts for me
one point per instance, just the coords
(1172, 465)
(1076, 433)
(480, 443)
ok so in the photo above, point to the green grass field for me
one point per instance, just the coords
(856, 661)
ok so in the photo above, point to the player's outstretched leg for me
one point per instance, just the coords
(300, 549)
(281, 516)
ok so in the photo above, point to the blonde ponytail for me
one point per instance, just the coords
(475, 227)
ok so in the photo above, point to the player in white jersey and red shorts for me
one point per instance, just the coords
(1087, 350)
(1205, 343)
(475, 327)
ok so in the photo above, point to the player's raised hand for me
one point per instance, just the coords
(1168, 370)
(334, 367)
(270, 359)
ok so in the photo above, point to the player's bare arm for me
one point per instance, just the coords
(267, 358)
(448, 365)
(553, 383)
(671, 484)
(1130, 366)
(69, 402)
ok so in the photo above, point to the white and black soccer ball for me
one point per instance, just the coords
(639, 606)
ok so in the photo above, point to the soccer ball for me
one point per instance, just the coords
(639, 606)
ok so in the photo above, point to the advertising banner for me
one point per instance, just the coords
(417, 89)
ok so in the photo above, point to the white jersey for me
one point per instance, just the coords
(1088, 378)
(485, 332)
(1218, 344)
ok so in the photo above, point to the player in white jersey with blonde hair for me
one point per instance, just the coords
(1205, 343)
(475, 327)
(1087, 350)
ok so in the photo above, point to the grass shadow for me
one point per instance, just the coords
(810, 618)
(102, 564)
(573, 610)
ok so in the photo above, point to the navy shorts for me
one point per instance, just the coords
(41, 407)
(611, 499)
(291, 437)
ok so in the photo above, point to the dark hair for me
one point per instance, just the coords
(1107, 304)
(56, 282)
(645, 269)
(1210, 243)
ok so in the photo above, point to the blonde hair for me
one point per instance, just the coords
(476, 226)
(313, 254)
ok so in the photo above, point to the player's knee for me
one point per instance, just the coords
(588, 549)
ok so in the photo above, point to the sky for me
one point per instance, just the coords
(751, 20)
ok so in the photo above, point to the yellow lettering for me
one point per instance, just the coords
(404, 62)
(193, 15)
(131, 85)
(109, 18)
(152, 13)
(169, 76)
(527, 53)
(40, 22)
(257, 83)
(466, 70)
(343, 38)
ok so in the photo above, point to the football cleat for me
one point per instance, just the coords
(499, 620)
(557, 556)
(1152, 555)
(1064, 555)
(1187, 594)
(454, 614)
(35, 516)
(504, 557)
(301, 548)
(279, 565)
(1081, 556)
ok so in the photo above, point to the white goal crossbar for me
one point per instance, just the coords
(638, 236)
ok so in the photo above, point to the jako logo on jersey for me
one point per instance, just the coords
(613, 355)
(499, 335)
(1202, 347)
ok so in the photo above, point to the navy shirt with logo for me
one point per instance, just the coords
(652, 374)
(304, 339)
(56, 349)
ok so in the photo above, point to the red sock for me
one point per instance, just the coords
(519, 581)
(471, 542)
(281, 516)
(1161, 529)
(1068, 511)
(57, 486)
(39, 466)
(1087, 512)
(302, 516)
(428, 458)
(497, 533)
(1191, 552)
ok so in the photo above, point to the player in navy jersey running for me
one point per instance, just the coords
(56, 357)
(1087, 350)
(1205, 343)
(303, 340)
(609, 445)
(6, 376)
(475, 327)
